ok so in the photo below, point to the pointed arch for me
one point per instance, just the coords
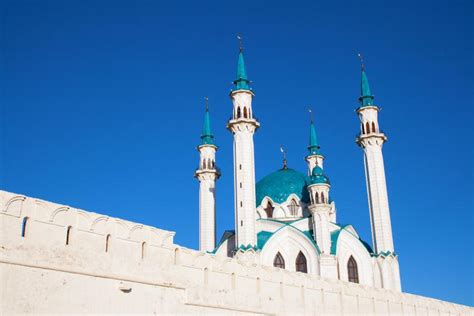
(238, 112)
(279, 262)
(352, 271)
(301, 263)
(363, 129)
(293, 206)
(24, 224)
(269, 210)
(323, 198)
(316, 198)
(373, 127)
(367, 128)
(245, 112)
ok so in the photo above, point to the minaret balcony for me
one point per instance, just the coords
(214, 170)
(380, 134)
(242, 120)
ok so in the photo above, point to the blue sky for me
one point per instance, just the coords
(102, 107)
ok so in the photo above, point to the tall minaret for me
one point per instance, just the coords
(371, 140)
(207, 174)
(314, 158)
(243, 125)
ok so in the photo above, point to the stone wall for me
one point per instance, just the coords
(141, 270)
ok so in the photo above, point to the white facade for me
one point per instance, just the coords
(143, 271)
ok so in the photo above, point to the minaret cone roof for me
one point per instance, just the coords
(313, 141)
(242, 82)
(366, 98)
(207, 137)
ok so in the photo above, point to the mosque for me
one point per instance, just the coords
(288, 219)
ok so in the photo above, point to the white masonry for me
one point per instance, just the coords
(243, 126)
(207, 174)
(371, 140)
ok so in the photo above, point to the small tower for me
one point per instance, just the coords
(243, 126)
(371, 140)
(207, 174)
(320, 209)
(314, 158)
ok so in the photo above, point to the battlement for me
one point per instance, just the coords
(59, 259)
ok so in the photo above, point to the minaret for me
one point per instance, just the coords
(314, 158)
(243, 126)
(320, 209)
(371, 140)
(207, 174)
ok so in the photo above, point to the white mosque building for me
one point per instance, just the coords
(288, 219)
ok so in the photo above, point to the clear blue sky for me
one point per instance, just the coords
(102, 107)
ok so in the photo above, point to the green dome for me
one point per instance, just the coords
(318, 176)
(280, 184)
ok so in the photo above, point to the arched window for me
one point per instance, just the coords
(367, 128)
(352, 272)
(143, 249)
(107, 243)
(245, 112)
(23, 226)
(279, 262)
(269, 210)
(323, 199)
(363, 130)
(293, 207)
(238, 112)
(316, 198)
(373, 127)
(300, 263)
(68, 235)
(213, 164)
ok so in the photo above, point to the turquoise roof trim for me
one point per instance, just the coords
(335, 238)
(267, 235)
(242, 82)
(280, 184)
(366, 98)
(207, 138)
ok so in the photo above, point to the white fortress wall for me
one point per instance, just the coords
(143, 271)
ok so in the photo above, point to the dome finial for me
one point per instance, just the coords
(241, 43)
(207, 103)
(310, 114)
(284, 157)
(362, 65)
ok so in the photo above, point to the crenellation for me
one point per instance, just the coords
(224, 283)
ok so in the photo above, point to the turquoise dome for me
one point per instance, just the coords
(280, 184)
(318, 176)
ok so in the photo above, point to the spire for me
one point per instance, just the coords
(284, 157)
(206, 136)
(313, 139)
(242, 81)
(366, 98)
